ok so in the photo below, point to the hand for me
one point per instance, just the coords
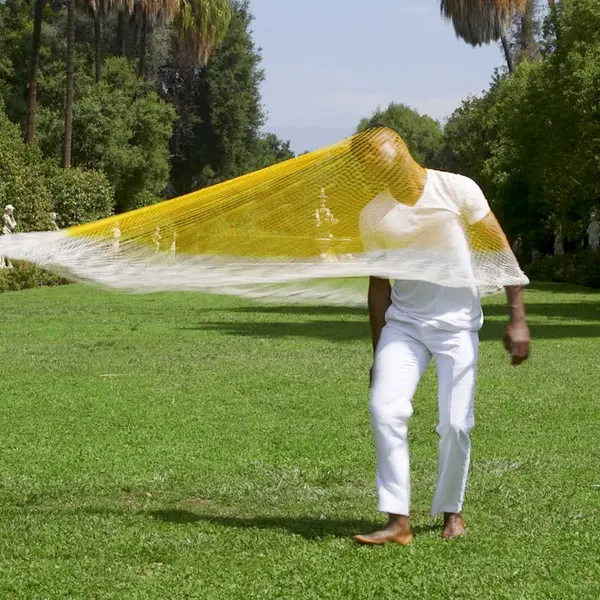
(517, 341)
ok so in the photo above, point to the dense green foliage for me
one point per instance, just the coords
(533, 140)
(421, 133)
(217, 136)
(36, 186)
(80, 196)
(182, 127)
(23, 180)
(24, 276)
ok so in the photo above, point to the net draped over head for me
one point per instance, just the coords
(298, 230)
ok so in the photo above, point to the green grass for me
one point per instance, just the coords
(184, 446)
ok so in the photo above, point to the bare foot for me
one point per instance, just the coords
(397, 531)
(454, 526)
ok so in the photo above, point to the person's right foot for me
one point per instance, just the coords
(454, 526)
(396, 532)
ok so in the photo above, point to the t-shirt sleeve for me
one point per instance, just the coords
(471, 200)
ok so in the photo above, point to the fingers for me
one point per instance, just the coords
(517, 341)
(519, 352)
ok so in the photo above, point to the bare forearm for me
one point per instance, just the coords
(515, 297)
(379, 301)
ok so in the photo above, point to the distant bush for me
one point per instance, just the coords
(36, 187)
(80, 196)
(580, 268)
(24, 276)
(23, 179)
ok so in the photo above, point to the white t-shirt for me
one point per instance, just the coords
(446, 198)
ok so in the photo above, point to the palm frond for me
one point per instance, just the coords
(201, 25)
(481, 21)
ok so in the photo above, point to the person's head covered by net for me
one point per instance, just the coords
(386, 164)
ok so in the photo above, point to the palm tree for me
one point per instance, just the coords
(149, 14)
(33, 70)
(481, 21)
(70, 81)
(527, 47)
(98, 10)
(201, 25)
(124, 9)
(553, 7)
(508, 55)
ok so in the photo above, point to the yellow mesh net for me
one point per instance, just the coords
(360, 207)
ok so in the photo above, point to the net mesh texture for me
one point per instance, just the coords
(310, 228)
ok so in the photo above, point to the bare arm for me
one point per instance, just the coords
(517, 339)
(380, 299)
(487, 235)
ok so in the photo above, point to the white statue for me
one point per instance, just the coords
(323, 214)
(324, 219)
(593, 232)
(9, 224)
(53, 219)
(116, 231)
(156, 237)
(559, 245)
(535, 256)
(517, 247)
(173, 250)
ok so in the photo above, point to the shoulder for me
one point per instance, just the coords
(456, 182)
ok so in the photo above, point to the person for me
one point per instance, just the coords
(414, 321)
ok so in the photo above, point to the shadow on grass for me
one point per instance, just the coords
(348, 331)
(349, 324)
(309, 528)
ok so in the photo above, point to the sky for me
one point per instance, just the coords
(328, 63)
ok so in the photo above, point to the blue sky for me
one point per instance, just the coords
(328, 63)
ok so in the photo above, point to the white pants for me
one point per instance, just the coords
(402, 355)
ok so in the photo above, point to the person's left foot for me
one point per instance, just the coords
(454, 526)
(397, 531)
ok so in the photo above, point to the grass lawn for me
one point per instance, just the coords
(178, 446)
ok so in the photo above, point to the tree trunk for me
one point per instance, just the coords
(33, 70)
(554, 17)
(526, 33)
(98, 44)
(121, 22)
(143, 45)
(507, 53)
(70, 80)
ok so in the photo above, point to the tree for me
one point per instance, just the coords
(33, 69)
(70, 86)
(270, 150)
(510, 63)
(217, 135)
(201, 25)
(532, 141)
(422, 134)
(149, 14)
(120, 127)
(22, 178)
(480, 22)
(524, 38)
(98, 10)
